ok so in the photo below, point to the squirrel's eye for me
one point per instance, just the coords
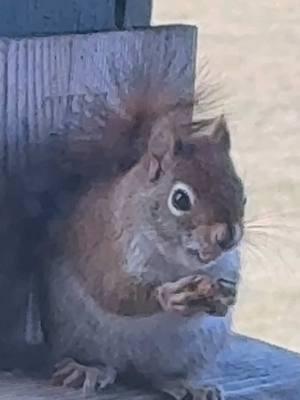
(181, 200)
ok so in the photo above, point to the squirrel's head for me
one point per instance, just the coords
(189, 193)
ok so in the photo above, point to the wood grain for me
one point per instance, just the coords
(42, 79)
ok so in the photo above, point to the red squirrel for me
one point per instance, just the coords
(136, 272)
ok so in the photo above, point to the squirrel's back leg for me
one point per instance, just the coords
(90, 378)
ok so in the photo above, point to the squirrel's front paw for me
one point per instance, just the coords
(178, 296)
(224, 297)
(198, 293)
(69, 373)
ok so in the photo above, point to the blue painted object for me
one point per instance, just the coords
(19, 18)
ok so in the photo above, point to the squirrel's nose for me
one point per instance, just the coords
(225, 236)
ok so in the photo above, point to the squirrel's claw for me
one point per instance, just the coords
(208, 393)
(69, 373)
(205, 392)
(196, 294)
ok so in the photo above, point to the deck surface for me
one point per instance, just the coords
(250, 370)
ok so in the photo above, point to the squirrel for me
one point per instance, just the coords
(139, 270)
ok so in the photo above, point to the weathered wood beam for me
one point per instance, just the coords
(39, 75)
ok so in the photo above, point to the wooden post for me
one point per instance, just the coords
(39, 75)
(19, 18)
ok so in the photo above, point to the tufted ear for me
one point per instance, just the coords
(219, 132)
(160, 149)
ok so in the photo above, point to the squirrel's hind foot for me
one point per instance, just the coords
(207, 393)
(70, 373)
(202, 393)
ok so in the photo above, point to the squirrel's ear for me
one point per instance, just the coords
(219, 132)
(160, 149)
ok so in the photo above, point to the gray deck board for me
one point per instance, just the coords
(249, 370)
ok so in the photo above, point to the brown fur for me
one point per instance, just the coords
(152, 143)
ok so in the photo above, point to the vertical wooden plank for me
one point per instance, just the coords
(3, 104)
(12, 95)
(38, 76)
(138, 13)
(120, 9)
